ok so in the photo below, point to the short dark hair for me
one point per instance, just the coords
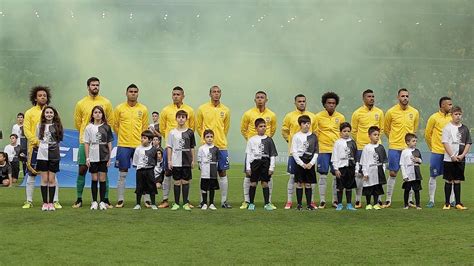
(178, 88)
(14, 135)
(259, 121)
(442, 99)
(91, 79)
(5, 155)
(344, 125)
(155, 112)
(410, 136)
(303, 119)
(34, 91)
(367, 91)
(299, 95)
(207, 131)
(457, 109)
(261, 92)
(20, 114)
(132, 86)
(215, 86)
(329, 95)
(147, 133)
(401, 89)
(372, 129)
(181, 113)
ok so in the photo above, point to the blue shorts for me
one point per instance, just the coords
(394, 160)
(436, 164)
(324, 164)
(223, 163)
(291, 165)
(124, 157)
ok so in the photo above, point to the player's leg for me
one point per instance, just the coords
(81, 175)
(291, 182)
(123, 163)
(166, 181)
(323, 169)
(223, 166)
(30, 179)
(393, 167)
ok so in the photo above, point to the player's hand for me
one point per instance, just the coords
(338, 174)
(88, 163)
(365, 178)
(248, 172)
(170, 165)
(108, 163)
(158, 185)
(270, 172)
(192, 165)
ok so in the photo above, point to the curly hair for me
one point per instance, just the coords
(329, 95)
(34, 91)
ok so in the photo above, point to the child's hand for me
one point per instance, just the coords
(248, 172)
(405, 179)
(170, 165)
(88, 163)
(158, 185)
(192, 165)
(460, 157)
(365, 178)
(270, 172)
(108, 163)
(338, 174)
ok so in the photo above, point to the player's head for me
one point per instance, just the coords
(156, 141)
(132, 93)
(305, 123)
(13, 138)
(98, 114)
(261, 98)
(159, 155)
(456, 114)
(215, 93)
(177, 94)
(368, 96)
(19, 118)
(155, 116)
(181, 117)
(374, 134)
(445, 104)
(330, 100)
(147, 137)
(300, 102)
(410, 140)
(3, 157)
(260, 126)
(345, 128)
(93, 86)
(403, 96)
(40, 95)
(208, 136)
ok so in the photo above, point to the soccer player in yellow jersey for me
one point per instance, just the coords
(363, 118)
(130, 120)
(247, 129)
(433, 134)
(399, 120)
(40, 97)
(327, 123)
(82, 117)
(216, 116)
(167, 123)
(289, 128)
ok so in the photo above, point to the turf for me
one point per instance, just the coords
(389, 236)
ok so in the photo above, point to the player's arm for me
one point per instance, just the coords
(192, 120)
(162, 121)
(416, 122)
(78, 117)
(274, 126)
(169, 150)
(136, 158)
(145, 119)
(294, 152)
(285, 128)
(109, 113)
(29, 130)
(244, 123)
(403, 165)
(387, 123)
(382, 123)
(199, 122)
(193, 144)
(429, 131)
(116, 119)
(227, 122)
(355, 125)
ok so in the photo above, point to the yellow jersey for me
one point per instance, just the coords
(216, 118)
(362, 119)
(247, 124)
(327, 129)
(30, 123)
(290, 125)
(83, 110)
(434, 131)
(398, 123)
(168, 118)
(129, 123)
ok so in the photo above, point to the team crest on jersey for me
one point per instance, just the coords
(347, 151)
(267, 119)
(411, 116)
(181, 143)
(48, 137)
(336, 120)
(139, 114)
(458, 137)
(145, 160)
(209, 157)
(222, 114)
(377, 117)
(376, 157)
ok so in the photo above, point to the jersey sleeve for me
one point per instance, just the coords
(192, 120)
(78, 116)
(335, 156)
(274, 126)
(244, 123)
(227, 122)
(354, 124)
(403, 164)
(382, 123)
(445, 135)
(387, 123)
(429, 131)
(192, 140)
(285, 128)
(29, 130)
(416, 122)
(169, 141)
(199, 122)
(110, 135)
(145, 119)
(364, 162)
(162, 122)
(116, 119)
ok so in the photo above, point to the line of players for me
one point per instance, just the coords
(130, 119)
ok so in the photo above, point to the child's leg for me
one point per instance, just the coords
(266, 192)
(102, 185)
(44, 186)
(139, 198)
(299, 193)
(270, 189)
(185, 188)
(339, 195)
(367, 198)
(417, 197)
(153, 199)
(212, 192)
(448, 186)
(406, 193)
(246, 186)
(308, 192)
(52, 186)
(94, 177)
(376, 198)
(252, 189)
(204, 196)
(177, 191)
(348, 196)
(457, 191)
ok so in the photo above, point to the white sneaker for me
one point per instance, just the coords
(153, 207)
(45, 207)
(137, 207)
(51, 207)
(212, 207)
(102, 206)
(204, 206)
(94, 205)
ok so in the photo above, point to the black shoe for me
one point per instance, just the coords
(310, 208)
(299, 207)
(77, 204)
(334, 204)
(322, 205)
(226, 205)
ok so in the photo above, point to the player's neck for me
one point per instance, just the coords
(369, 106)
(443, 112)
(216, 103)
(132, 103)
(179, 104)
(93, 96)
(331, 112)
(261, 108)
(404, 107)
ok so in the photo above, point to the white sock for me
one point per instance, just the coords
(452, 198)
(146, 198)
(121, 186)
(270, 188)
(334, 189)
(224, 186)
(291, 188)
(390, 187)
(56, 192)
(410, 196)
(246, 186)
(432, 188)
(166, 187)
(30, 188)
(360, 186)
(313, 191)
(322, 188)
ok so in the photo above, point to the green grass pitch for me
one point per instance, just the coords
(389, 236)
